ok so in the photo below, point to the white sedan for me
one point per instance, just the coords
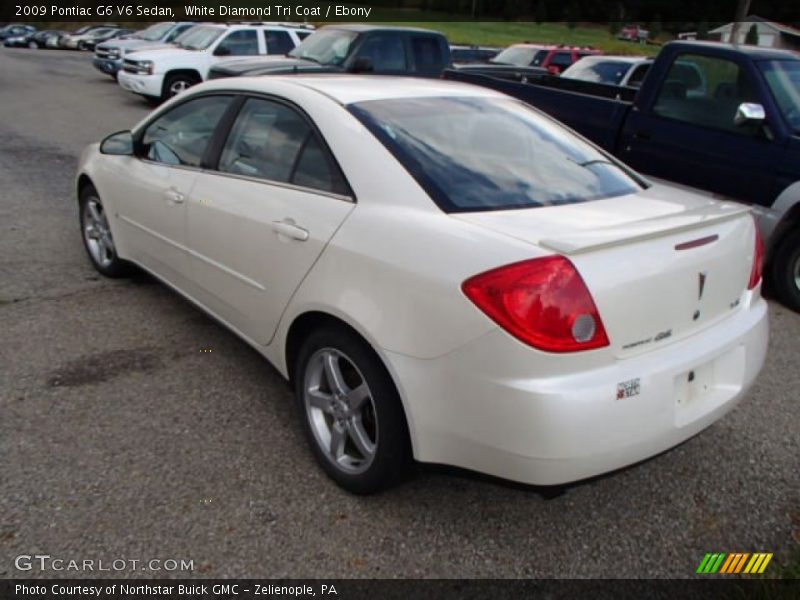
(442, 272)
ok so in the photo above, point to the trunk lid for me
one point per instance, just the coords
(660, 265)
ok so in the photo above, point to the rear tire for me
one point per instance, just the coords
(351, 412)
(786, 270)
(96, 235)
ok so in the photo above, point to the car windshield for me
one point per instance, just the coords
(98, 33)
(326, 47)
(478, 154)
(199, 38)
(155, 32)
(611, 72)
(521, 56)
(783, 78)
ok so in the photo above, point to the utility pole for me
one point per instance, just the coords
(742, 8)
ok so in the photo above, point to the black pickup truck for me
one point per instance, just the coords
(713, 116)
(373, 49)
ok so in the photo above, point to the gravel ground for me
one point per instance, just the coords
(120, 439)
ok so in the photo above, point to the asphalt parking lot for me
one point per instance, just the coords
(121, 438)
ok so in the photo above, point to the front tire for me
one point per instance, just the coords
(97, 238)
(33, 45)
(177, 84)
(351, 412)
(786, 270)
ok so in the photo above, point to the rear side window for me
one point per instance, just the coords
(278, 42)
(181, 136)
(387, 53)
(561, 60)
(478, 154)
(427, 52)
(240, 43)
(272, 141)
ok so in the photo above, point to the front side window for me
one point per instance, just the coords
(181, 136)
(478, 154)
(427, 53)
(239, 43)
(278, 42)
(272, 141)
(561, 60)
(387, 53)
(783, 79)
(706, 91)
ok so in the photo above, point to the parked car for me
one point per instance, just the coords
(552, 58)
(40, 39)
(71, 40)
(460, 53)
(100, 36)
(163, 73)
(713, 116)
(633, 33)
(81, 42)
(109, 55)
(52, 40)
(611, 70)
(14, 30)
(23, 40)
(374, 49)
(545, 314)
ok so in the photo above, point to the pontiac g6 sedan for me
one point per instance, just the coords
(442, 272)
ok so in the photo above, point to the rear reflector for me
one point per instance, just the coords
(543, 302)
(758, 259)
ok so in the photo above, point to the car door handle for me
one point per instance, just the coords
(174, 197)
(290, 230)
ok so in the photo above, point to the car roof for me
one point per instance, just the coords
(754, 52)
(361, 27)
(349, 89)
(616, 58)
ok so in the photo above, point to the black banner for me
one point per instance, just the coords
(341, 589)
(677, 12)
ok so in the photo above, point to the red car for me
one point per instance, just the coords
(553, 58)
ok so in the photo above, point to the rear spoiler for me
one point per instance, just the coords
(609, 237)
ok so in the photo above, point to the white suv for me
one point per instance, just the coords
(163, 73)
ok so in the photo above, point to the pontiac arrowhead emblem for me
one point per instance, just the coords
(701, 283)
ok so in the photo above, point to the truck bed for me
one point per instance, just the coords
(594, 110)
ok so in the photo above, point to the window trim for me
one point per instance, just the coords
(210, 161)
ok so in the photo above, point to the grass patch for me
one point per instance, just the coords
(504, 33)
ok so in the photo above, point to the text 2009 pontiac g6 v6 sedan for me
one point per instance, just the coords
(442, 272)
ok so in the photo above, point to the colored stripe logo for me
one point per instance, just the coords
(733, 563)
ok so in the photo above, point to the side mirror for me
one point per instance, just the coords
(749, 112)
(222, 51)
(363, 64)
(118, 144)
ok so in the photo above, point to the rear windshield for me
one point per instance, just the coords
(478, 154)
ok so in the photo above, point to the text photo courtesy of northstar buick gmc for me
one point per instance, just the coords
(443, 273)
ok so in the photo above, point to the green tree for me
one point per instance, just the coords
(752, 35)
(655, 27)
(540, 16)
(702, 30)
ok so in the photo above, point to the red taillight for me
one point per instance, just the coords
(542, 302)
(758, 260)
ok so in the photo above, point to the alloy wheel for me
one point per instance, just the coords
(340, 410)
(97, 233)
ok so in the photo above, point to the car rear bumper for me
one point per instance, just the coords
(106, 65)
(481, 408)
(147, 85)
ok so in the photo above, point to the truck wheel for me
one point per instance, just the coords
(786, 270)
(175, 84)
